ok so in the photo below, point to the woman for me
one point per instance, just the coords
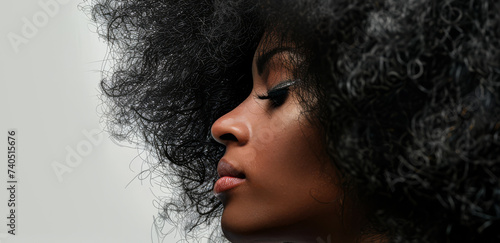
(314, 121)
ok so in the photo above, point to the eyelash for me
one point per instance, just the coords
(278, 94)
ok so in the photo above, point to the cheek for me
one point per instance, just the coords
(296, 174)
(289, 179)
(290, 185)
(291, 165)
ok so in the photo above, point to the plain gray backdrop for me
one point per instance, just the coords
(72, 179)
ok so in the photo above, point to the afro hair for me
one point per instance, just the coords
(408, 94)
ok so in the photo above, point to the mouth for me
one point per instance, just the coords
(229, 177)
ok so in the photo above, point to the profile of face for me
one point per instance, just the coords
(277, 182)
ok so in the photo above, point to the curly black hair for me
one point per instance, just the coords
(407, 92)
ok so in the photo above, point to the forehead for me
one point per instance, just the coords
(276, 52)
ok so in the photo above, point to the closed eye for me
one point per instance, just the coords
(278, 94)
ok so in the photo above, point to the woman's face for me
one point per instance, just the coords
(277, 182)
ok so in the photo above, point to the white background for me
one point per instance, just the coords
(49, 93)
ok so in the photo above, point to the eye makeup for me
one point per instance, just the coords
(278, 94)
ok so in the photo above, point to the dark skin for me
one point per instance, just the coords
(291, 189)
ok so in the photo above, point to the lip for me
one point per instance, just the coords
(225, 168)
(226, 183)
(229, 177)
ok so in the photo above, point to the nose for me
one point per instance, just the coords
(233, 127)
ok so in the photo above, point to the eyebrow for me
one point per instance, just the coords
(264, 58)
